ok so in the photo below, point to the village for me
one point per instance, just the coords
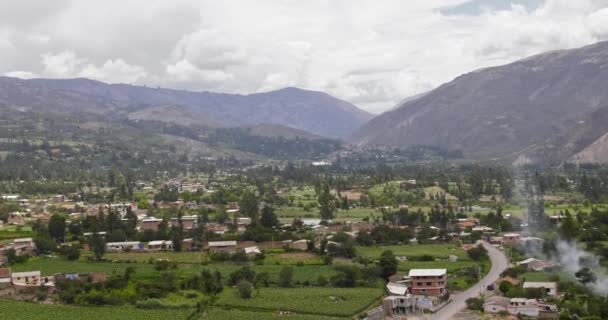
(200, 235)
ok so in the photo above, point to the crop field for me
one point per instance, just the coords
(293, 258)
(15, 310)
(439, 251)
(49, 266)
(180, 257)
(341, 302)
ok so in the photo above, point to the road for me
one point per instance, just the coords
(499, 264)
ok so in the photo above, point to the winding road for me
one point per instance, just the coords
(499, 264)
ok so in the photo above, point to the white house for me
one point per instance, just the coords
(122, 246)
(26, 279)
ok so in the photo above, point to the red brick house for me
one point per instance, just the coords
(428, 281)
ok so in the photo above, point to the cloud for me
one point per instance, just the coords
(372, 55)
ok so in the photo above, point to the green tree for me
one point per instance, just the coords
(57, 226)
(98, 246)
(286, 277)
(245, 289)
(269, 218)
(249, 206)
(327, 204)
(388, 264)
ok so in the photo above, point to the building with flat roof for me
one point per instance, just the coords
(428, 281)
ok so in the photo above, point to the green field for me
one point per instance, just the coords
(15, 310)
(50, 266)
(180, 257)
(438, 251)
(320, 301)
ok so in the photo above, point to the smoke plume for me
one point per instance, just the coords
(572, 259)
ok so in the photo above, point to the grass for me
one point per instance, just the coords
(341, 302)
(545, 276)
(17, 310)
(180, 257)
(438, 251)
(50, 266)
(293, 258)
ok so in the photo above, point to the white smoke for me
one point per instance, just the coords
(572, 258)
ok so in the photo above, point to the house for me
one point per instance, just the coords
(537, 265)
(252, 250)
(150, 223)
(496, 304)
(428, 281)
(5, 277)
(188, 244)
(482, 229)
(216, 228)
(549, 287)
(159, 245)
(399, 288)
(16, 218)
(547, 311)
(222, 246)
(299, 244)
(23, 246)
(398, 305)
(511, 238)
(10, 197)
(532, 243)
(524, 307)
(125, 246)
(26, 279)
(188, 222)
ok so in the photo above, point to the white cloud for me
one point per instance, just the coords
(372, 54)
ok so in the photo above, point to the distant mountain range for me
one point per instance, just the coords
(552, 106)
(312, 111)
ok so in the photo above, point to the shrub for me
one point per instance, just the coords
(475, 304)
(245, 289)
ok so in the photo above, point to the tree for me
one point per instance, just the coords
(388, 264)
(203, 307)
(326, 203)
(98, 246)
(285, 277)
(57, 226)
(269, 218)
(69, 252)
(475, 304)
(477, 253)
(249, 206)
(585, 276)
(245, 289)
(505, 287)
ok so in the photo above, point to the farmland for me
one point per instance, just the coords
(14, 310)
(320, 301)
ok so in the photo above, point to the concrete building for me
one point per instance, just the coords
(222, 246)
(125, 246)
(428, 281)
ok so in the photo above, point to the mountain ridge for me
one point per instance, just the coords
(505, 112)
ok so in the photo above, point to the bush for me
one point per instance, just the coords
(245, 289)
(477, 253)
(286, 277)
(475, 304)
(70, 253)
(149, 304)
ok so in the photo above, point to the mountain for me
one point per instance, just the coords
(312, 111)
(552, 106)
(75, 121)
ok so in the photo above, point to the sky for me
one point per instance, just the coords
(373, 53)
